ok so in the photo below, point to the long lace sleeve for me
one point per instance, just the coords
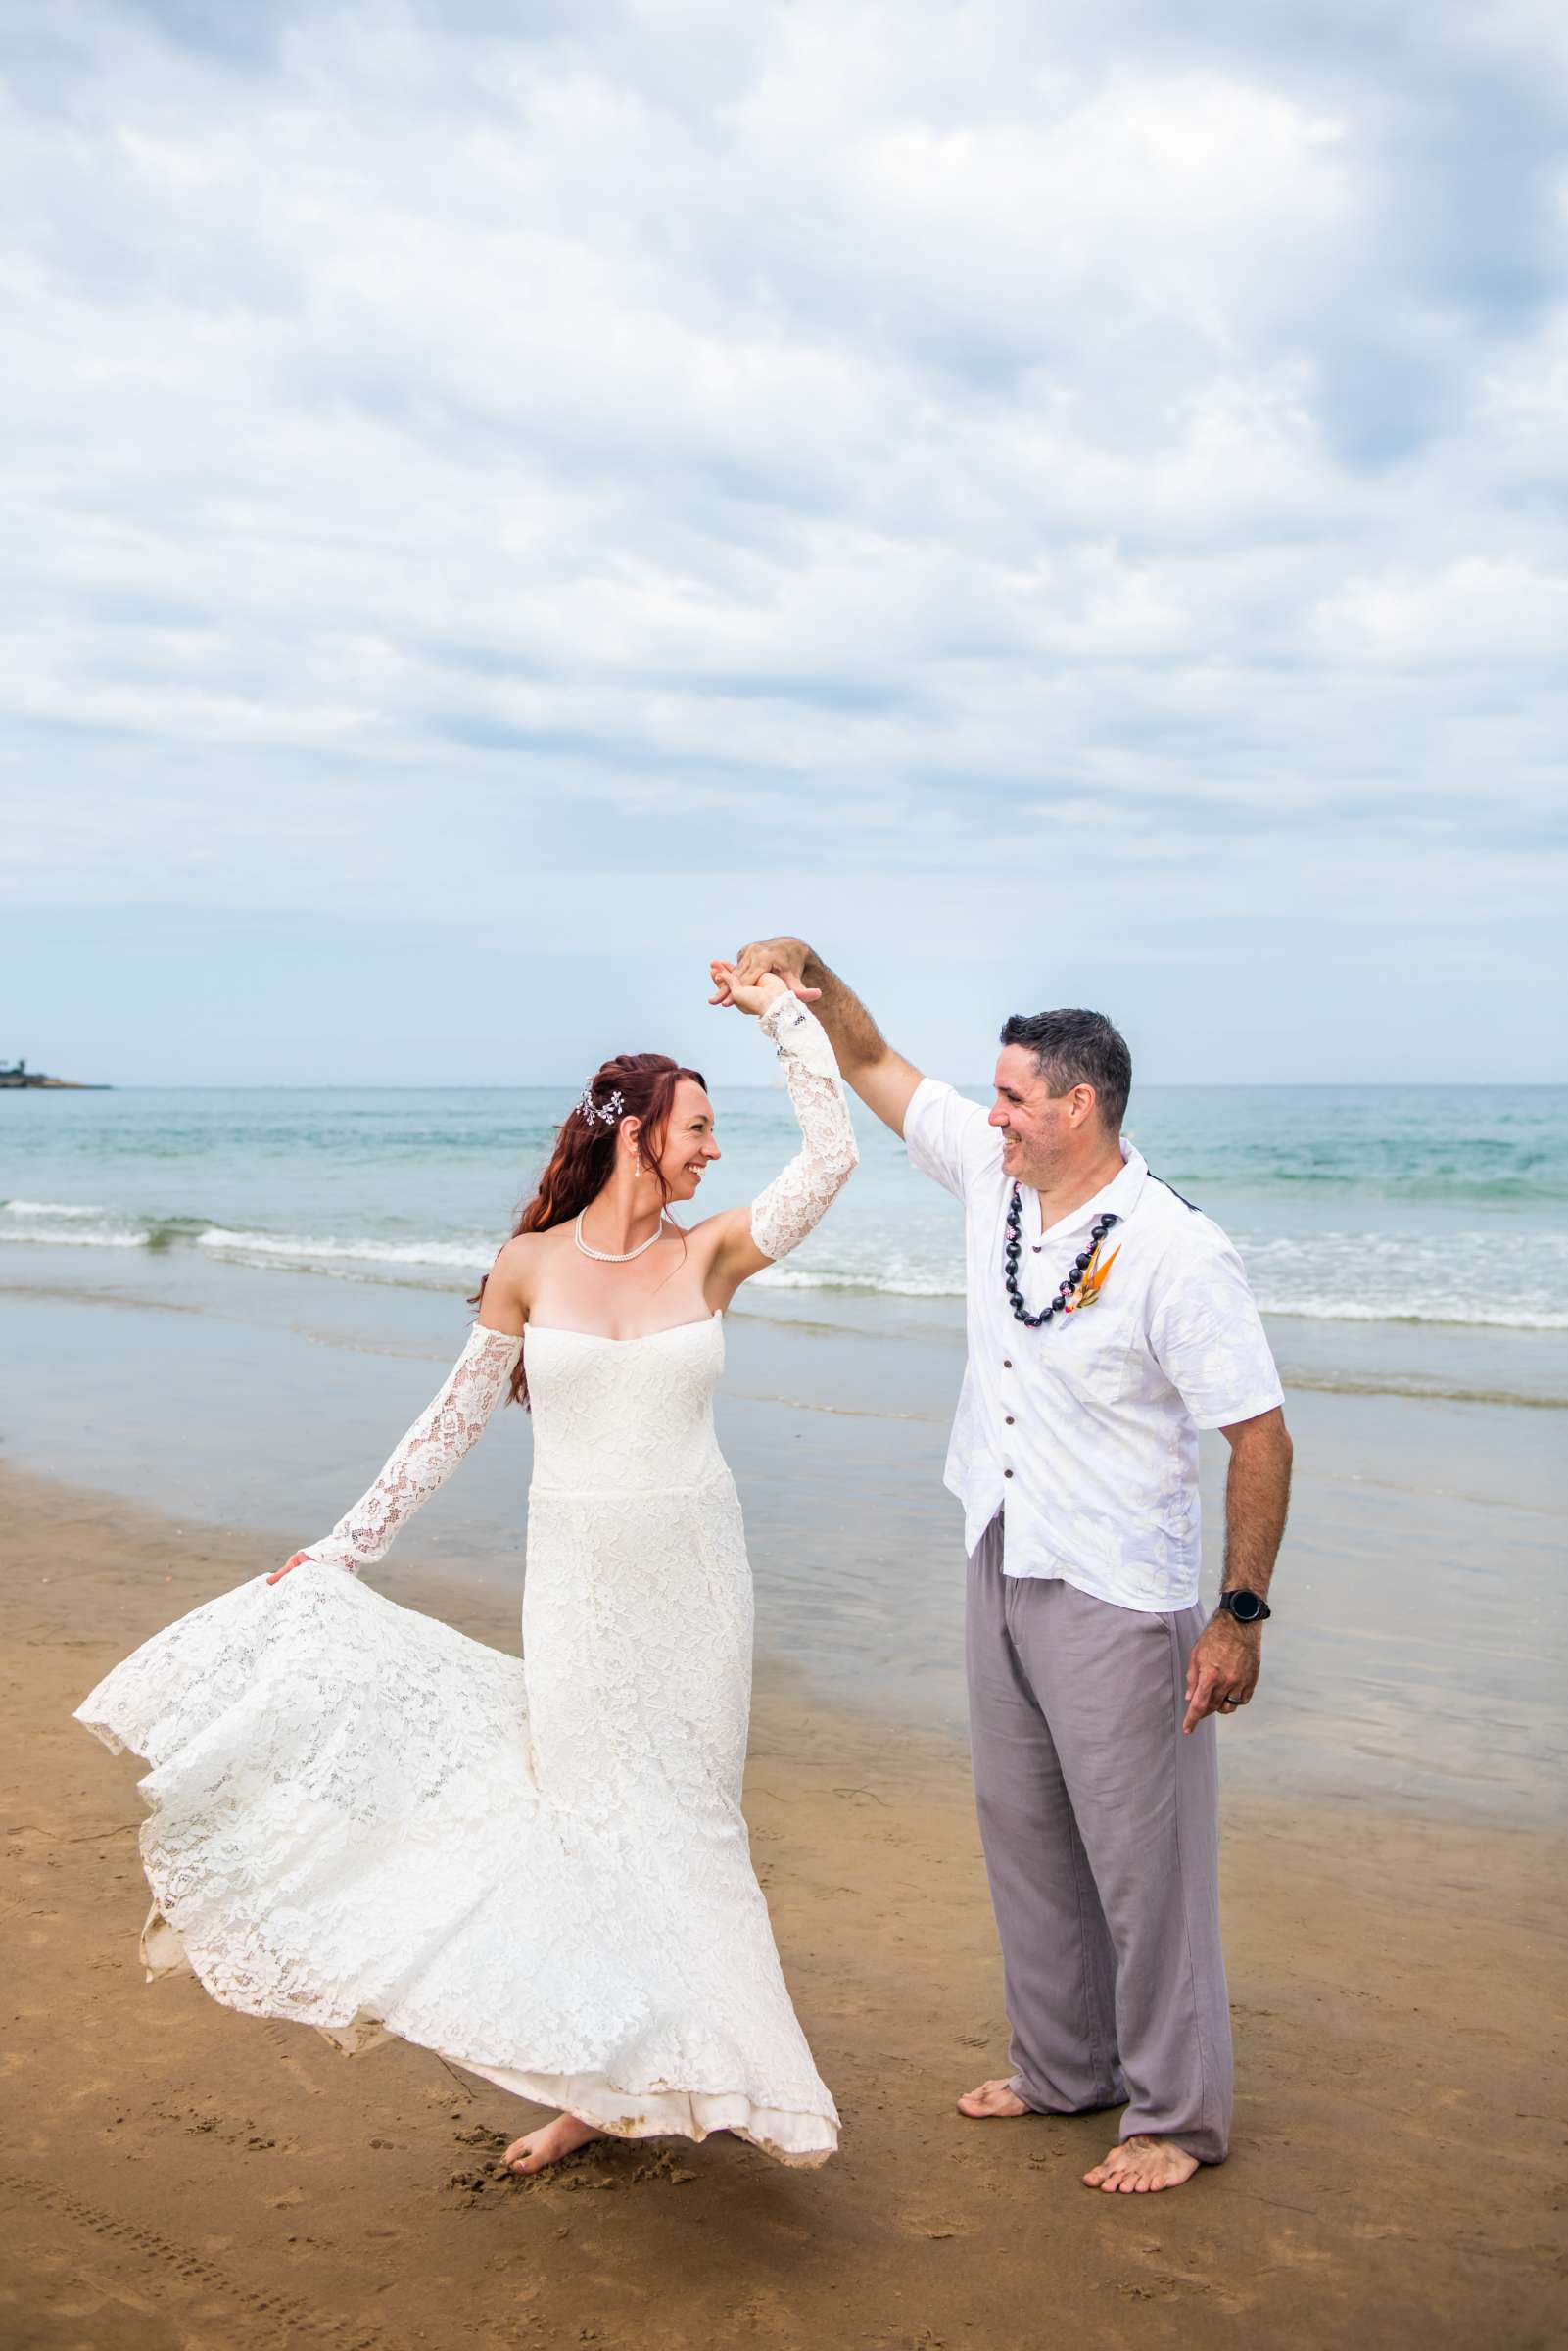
(801, 1194)
(427, 1456)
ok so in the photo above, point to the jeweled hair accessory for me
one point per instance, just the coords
(606, 1112)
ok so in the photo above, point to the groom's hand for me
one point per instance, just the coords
(1223, 1668)
(789, 957)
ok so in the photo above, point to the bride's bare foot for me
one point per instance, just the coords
(1140, 2165)
(541, 2147)
(992, 2100)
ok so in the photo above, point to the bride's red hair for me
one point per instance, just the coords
(580, 1165)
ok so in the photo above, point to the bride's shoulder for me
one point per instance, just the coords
(524, 1247)
(517, 1261)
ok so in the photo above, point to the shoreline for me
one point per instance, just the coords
(763, 1309)
(1423, 1622)
(180, 2175)
(466, 1593)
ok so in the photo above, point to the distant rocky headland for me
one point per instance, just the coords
(16, 1073)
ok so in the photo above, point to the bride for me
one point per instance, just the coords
(362, 1820)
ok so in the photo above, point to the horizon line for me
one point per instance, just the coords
(368, 1086)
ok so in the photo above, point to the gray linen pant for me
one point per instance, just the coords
(1101, 1829)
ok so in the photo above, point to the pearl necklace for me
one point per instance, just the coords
(615, 1257)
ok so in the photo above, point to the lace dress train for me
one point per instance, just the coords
(362, 1820)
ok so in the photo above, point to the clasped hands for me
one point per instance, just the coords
(751, 983)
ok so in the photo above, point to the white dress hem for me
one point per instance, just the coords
(620, 2110)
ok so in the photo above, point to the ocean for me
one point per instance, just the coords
(229, 1305)
(1412, 1205)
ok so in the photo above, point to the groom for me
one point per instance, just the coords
(1109, 1320)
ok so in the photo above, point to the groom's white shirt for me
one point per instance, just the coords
(1087, 1428)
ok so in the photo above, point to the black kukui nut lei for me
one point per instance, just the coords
(1012, 1248)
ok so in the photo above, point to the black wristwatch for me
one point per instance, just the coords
(1248, 1607)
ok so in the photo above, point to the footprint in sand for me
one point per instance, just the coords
(933, 2226)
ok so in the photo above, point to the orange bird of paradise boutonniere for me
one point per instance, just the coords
(1094, 1274)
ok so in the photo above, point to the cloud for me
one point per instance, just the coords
(441, 438)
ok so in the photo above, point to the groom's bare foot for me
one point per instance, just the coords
(993, 2101)
(541, 2147)
(1139, 2166)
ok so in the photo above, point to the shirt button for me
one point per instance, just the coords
(1007, 1362)
(1010, 1419)
(1007, 1473)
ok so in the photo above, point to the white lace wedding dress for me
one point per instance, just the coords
(362, 1820)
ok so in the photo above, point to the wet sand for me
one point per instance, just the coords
(1422, 1634)
(178, 2177)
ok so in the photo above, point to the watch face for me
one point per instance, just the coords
(1246, 1606)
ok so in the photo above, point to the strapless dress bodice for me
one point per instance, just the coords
(624, 1415)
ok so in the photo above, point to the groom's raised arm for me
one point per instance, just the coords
(883, 1079)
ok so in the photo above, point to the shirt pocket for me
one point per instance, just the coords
(1094, 1350)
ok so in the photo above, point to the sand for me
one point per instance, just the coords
(175, 2176)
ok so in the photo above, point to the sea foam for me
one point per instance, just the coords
(1459, 1277)
(51, 1208)
(462, 1256)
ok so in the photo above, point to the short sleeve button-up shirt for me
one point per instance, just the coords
(1088, 1426)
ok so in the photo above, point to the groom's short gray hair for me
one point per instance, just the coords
(1073, 1048)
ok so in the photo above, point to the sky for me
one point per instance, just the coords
(1054, 506)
